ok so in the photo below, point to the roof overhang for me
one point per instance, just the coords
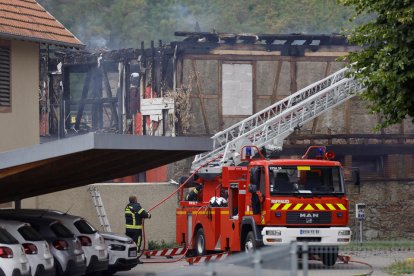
(87, 159)
(41, 40)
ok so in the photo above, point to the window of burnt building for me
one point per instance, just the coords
(369, 166)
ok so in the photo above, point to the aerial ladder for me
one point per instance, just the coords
(270, 126)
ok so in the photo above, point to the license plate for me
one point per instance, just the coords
(48, 261)
(132, 253)
(24, 267)
(309, 232)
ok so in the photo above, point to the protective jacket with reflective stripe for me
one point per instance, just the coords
(134, 214)
(193, 195)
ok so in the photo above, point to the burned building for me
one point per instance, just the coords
(226, 78)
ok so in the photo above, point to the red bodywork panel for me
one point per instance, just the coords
(222, 225)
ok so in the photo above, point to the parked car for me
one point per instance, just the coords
(64, 246)
(122, 252)
(36, 248)
(13, 260)
(92, 242)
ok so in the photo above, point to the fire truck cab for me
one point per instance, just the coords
(267, 202)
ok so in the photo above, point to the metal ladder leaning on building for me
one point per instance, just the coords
(100, 208)
(270, 126)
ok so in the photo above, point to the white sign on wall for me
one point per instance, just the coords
(237, 89)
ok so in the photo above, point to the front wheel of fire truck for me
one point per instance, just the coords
(250, 243)
(200, 242)
(329, 259)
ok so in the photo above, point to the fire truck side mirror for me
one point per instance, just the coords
(356, 178)
(252, 188)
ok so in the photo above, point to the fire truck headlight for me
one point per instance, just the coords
(273, 233)
(344, 232)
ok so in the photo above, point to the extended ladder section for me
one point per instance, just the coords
(269, 127)
(100, 209)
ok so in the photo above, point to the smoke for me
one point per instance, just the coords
(89, 37)
(122, 24)
(191, 21)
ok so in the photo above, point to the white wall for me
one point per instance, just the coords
(20, 127)
(115, 197)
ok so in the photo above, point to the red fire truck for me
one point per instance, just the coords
(268, 202)
(242, 200)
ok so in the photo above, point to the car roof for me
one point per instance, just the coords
(27, 218)
(41, 212)
(12, 222)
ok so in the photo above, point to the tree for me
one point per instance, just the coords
(385, 65)
(125, 23)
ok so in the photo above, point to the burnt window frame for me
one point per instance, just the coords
(373, 166)
(5, 52)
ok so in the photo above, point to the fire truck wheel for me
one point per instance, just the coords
(250, 242)
(329, 259)
(200, 242)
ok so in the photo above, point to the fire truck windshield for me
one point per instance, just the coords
(305, 180)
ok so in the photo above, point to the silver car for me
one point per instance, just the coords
(13, 260)
(122, 252)
(64, 246)
(92, 242)
(36, 248)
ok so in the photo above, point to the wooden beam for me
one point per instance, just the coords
(203, 109)
(84, 95)
(316, 120)
(254, 92)
(220, 94)
(278, 68)
(293, 75)
(114, 112)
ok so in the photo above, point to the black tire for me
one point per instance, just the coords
(200, 243)
(329, 259)
(250, 244)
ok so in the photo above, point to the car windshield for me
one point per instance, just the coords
(61, 231)
(6, 237)
(29, 233)
(84, 227)
(305, 180)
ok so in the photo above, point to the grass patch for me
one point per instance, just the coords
(379, 245)
(401, 267)
(156, 245)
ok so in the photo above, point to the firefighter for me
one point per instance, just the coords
(193, 194)
(134, 215)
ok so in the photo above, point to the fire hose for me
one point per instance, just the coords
(161, 202)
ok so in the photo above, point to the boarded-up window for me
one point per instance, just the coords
(5, 100)
(237, 89)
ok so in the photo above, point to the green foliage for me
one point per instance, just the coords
(386, 63)
(125, 23)
(401, 267)
(155, 245)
